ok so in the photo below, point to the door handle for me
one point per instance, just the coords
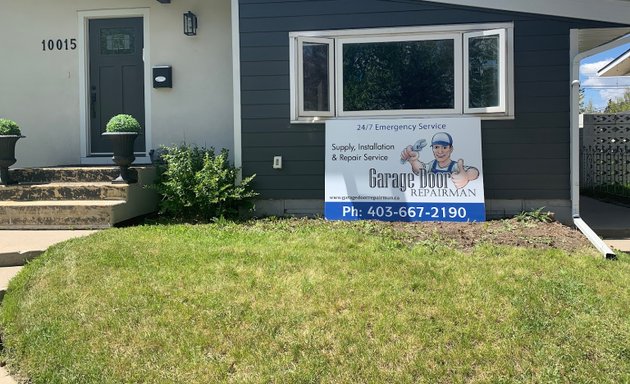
(93, 102)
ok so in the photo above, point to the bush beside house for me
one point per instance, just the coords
(196, 183)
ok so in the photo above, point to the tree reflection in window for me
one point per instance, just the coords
(483, 64)
(400, 75)
(316, 72)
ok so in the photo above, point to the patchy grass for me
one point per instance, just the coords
(310, 301)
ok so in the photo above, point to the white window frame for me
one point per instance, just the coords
(501, 108)
(331, 76)
(405, 34)
(457, 66)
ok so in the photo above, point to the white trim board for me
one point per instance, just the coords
(84, 65)
(613, 11)
(236, 83)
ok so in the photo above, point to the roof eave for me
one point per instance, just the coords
(612, 11)
(618, 67)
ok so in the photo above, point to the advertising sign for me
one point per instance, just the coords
(404, 170)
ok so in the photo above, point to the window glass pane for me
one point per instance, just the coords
(316, 84)
(117, 41)
(483, 72)
(399, 75)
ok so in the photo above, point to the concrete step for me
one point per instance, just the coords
(85, 214)
(74, 198)
(64, 174)
(64, 191)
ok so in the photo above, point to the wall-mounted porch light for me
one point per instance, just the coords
(190, 24)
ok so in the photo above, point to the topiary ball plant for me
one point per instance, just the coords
(122, 131)
(123, 123)
(9, 135)
(9, 128)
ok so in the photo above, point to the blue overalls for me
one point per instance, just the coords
(448, 170)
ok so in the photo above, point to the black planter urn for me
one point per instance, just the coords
(7, 157)
(122, 146)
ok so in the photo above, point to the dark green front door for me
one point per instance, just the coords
(116, 77)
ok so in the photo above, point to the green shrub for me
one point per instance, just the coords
(9, 127)
(196, 183)
(122, 123)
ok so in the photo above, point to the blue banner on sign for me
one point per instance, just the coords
(405, 211)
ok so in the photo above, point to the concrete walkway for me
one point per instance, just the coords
(16, 248)
(5, 378)
(610, 221)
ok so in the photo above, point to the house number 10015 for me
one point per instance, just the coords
(59, 45)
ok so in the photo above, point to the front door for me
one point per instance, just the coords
(116, 77)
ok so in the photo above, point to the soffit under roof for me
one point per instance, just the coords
(592, 38)
(614, 11)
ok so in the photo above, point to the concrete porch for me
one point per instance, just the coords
(74, 198)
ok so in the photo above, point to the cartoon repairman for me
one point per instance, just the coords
(442, 145)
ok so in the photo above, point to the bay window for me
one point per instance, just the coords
(450, 70)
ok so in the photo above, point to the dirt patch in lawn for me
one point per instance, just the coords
(509, 232)
(517, 232)
(529, 233)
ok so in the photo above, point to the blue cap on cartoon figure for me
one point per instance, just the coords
(442, 138)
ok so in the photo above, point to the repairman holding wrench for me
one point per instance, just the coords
(442, 146)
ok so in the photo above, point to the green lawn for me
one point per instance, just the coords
(308, 302)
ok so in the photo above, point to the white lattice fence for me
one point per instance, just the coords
(606, 153)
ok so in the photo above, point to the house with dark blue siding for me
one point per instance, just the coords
(263, 78)
(513, 64)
